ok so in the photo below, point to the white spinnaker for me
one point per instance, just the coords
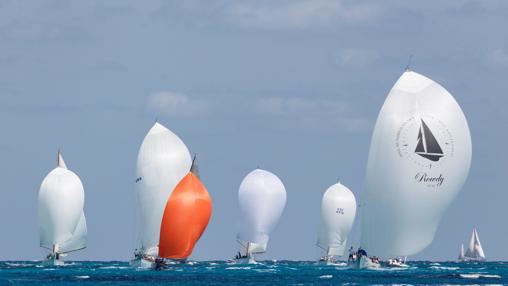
(78, 239)
(338, 211)
(61, 201)
(411, 180)
(262, 198)
(163, 160)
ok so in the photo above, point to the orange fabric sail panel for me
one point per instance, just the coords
(186, 216)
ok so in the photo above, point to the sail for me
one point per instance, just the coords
(475, 250)
(78, 239)
(262, 198)
(338, 211)
(61, 201)
(255, 247)
(163, 160)
(186, 216)
(461, 253)
(407, 193)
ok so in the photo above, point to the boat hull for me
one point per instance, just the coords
(141, 263)
(363, 263)
(53, 261)
(472, 260)
(246, 260)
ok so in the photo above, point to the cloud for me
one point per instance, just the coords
(301, 14)
(170, 104)
(272, 15)
(299, 106)
(497, 58)
(355, 58)
(312, 112)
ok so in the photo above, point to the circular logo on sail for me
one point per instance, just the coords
(427, 142)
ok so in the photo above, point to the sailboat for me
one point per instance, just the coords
(338, 211)
(62, 223)
(475, 251)
(163, 160)
(262, 198)
(186, 216)
(461, 253)
(419, 159)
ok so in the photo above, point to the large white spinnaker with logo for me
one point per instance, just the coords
(262, 198)
(338, 211)
(419, 158)
(163, 160)
(62, 223)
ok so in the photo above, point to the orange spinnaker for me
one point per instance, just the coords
(186, 216)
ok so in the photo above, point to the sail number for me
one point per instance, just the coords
(339, 211)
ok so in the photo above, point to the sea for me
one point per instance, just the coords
(264, 273)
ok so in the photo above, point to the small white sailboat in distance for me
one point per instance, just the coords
(461, 253)
(262, 198)
(475, 251)
(62, 222)
(338, 211)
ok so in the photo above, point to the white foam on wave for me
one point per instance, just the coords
(266, 270)
(82, 277)
(478, 275)
(238, 268)
(115, 267)
(16, 264)
(444, 268)
(326, 277)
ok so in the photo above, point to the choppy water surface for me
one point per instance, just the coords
(265, 273)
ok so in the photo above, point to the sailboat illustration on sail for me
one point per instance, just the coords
(427, 145)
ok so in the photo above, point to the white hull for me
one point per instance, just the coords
(364, 263)
(141, 263)
(396, 264)
(467, 259)
(53, 262)
(246, 260)
(327, 261)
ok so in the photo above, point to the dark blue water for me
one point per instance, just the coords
(266, 273)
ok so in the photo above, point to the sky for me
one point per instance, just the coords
(291, 86)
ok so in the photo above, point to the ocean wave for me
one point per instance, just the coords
(238, 268)
(115, 267)
(444, 268)
(478, 275)
(82, 277)
(326, 277)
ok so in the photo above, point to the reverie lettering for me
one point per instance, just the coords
(422, 177)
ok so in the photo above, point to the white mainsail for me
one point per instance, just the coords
(475, 250)
(163, 160)
(338, 211)
(62, 223)
(262, 198)
(419, 158)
